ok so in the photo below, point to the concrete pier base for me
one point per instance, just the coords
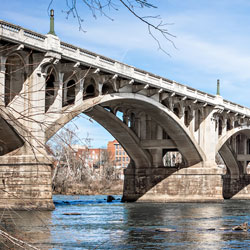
(236, 188)
(173, 185)
(25, 183)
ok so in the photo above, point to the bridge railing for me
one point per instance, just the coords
(31, 39)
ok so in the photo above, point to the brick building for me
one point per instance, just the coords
(118, 154)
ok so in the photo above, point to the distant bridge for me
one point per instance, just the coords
(45, 83)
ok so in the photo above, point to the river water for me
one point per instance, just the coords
(101, 225)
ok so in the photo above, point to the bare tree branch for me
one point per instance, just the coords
(102, 7)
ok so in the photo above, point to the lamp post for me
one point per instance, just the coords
(52, 30)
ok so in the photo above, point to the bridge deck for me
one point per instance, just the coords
(18, 35)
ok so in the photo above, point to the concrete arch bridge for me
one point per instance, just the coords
(45, 83)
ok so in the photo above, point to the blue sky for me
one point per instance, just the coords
(212, 40)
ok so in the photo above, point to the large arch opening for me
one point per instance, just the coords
(88, 159)
(139, 142)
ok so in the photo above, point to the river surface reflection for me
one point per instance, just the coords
(97, 224)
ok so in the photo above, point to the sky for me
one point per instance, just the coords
(212, 40)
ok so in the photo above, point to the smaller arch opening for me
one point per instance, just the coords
(69, 89)
(229, 127)
(49, 91)
(220, 127)
(107, 89)
(131, 120)
(176, 111)
(186, 118)
(248, 146)
(197, 119)
(236, 124)
(172, 158)
(90, 89)
(238, 145)
(119, 114)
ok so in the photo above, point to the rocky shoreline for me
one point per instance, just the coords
(95, 189)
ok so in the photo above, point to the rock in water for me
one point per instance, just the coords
(241, 227)
(165, 230)
(110, 198)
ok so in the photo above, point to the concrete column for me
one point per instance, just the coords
(37, 107)
(224, 126)
(182, 111)
(245, 153)
(2, 78)
(143, 131)
(195, 121)
(79, 95)
(125, 118)
(210, 137)
(157, 157)
(56, 107)
(148, 127)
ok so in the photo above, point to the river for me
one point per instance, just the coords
(97, 224)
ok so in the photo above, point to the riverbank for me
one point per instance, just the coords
(114, 188)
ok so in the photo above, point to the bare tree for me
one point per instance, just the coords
(157, 27)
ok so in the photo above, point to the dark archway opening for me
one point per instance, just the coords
(107, 89)
(49, 91)
(69, 90)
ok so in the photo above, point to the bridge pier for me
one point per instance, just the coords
(25, 183)
(193, 184)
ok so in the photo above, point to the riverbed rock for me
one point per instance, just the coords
(224, 228)
(110, 198)
(241, 227)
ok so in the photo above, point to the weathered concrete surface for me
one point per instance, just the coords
(25, 183)
(173, 185)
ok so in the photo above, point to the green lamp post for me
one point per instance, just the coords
(52, 30)
(218, 87)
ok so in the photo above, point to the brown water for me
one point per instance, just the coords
(116, 225)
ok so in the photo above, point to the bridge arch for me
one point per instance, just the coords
(229, 157)
(186, 144)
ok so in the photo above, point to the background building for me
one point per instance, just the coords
(118, 154)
